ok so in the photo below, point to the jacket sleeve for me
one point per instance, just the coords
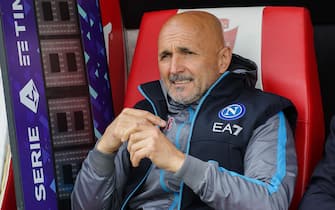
(270, 169)
(320, 193)
(100, 182)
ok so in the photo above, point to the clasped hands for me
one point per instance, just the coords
(145, 140)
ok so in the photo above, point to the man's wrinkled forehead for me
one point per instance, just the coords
(180, 39)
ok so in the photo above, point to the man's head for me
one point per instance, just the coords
(191, 55)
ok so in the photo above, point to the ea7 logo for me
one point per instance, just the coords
(29, 96)
(232, 129)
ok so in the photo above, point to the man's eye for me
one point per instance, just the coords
(164, 56)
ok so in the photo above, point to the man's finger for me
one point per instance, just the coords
(141, 114)
(137, 141)
(137, 128)
(137, 156)
(131, 130)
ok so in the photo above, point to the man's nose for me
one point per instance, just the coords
(175, 65)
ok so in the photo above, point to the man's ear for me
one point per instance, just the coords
(225, 55)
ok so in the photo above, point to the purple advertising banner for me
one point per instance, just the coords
(25, 76)
(96, 64)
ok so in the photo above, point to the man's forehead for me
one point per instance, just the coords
(179, 45)
(179, 37)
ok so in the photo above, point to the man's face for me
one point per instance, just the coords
(188, 62)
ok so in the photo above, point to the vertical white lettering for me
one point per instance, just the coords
(40, 193)
(35, 159)
(22, 47)
(35, 146)
(18, 15)
(18, 28)
(38, 176)
(16, 5)
(36, 162)
(33, 134)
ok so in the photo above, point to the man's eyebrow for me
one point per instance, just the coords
(180, 50)
(185, 50)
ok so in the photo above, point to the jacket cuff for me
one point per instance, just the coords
(192, 172)
(102, 164)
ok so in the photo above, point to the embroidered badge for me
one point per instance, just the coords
(232, 112)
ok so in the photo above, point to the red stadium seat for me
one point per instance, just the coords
(287, 65)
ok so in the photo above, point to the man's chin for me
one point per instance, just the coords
(182, 99)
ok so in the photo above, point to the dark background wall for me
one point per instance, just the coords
(323, 19)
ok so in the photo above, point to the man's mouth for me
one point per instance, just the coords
(181, 82)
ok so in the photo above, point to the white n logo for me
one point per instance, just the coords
(232, 110)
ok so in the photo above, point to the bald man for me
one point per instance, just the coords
(204, 137)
